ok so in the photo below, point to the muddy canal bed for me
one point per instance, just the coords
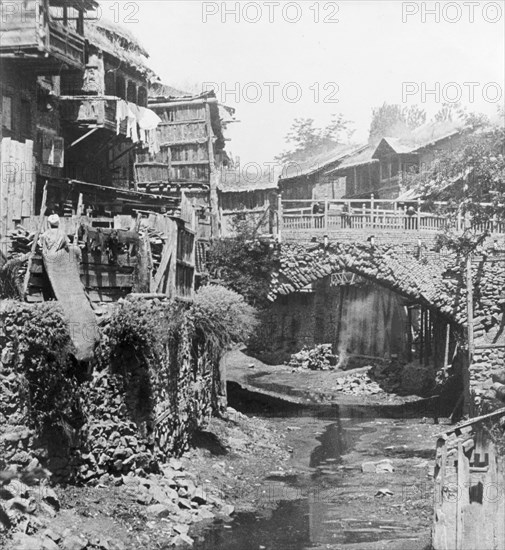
(321, 498)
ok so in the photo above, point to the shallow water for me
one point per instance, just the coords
(314, 515)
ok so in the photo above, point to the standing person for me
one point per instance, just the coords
(318, 212)
(411, 218)
(53, 239)
(347, 212)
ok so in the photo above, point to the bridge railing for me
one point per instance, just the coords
(336, 215)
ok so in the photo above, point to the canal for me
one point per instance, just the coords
(326, 500)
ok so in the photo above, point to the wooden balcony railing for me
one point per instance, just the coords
(386, 215)
(90, 111)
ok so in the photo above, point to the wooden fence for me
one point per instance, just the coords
(337, 215)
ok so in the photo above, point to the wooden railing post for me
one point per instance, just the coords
(418, 214)
(372, 206)
(326, 214)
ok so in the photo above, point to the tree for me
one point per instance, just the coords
(472, 180)
(394, 121)
(306, 139)
(243, 263)
(449, 112)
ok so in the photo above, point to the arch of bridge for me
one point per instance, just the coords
(435, 280)
(432, 279)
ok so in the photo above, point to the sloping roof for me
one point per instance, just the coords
(316, 163)
(236, 181)
(118, 42)
(425, 135)
(165, 91)
(363, 155)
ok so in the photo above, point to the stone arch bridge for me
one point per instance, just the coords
(413, 270)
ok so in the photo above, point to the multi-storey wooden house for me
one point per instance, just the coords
(191, 153)
(74, 113)
(371, 169)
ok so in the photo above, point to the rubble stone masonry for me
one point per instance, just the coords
(434, 279)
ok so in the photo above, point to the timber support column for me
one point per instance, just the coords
(215, 221)
(279, 217)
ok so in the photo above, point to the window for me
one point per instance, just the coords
(131, 94)
(68, 16)
(7, 112)
(142, 98)
(120, 87)
(110, 83)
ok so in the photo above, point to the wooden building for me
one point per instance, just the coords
(373, 169)
(247, 198)
(191, 151)
(380, 169)
(74, 113)
(469, 486)
(310, 179)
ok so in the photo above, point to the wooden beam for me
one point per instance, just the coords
(35, 240)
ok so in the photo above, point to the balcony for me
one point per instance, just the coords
(91, 112)
(37, 40)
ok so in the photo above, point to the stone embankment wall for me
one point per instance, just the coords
(435, 280)
(138, 404)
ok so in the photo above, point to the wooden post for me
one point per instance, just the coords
(325, 214)
(418, 214)
(35, 240)
(78, 217)
(372, 206)
(280, 217)
(213, 176)
(447, 344)
(469, 309)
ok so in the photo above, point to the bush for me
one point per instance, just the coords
(223, 315)
(244, 264)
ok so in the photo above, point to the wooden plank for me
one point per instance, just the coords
(107, 294)
(100, 269)
(20, 174)
(27, 206)
(4, 145)
(36, 238)
(104, 280)
(122, 260)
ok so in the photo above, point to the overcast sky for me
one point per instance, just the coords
(359, 53)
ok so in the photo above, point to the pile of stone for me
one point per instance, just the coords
(358, 383)
(320, 357)
(178, 497)
(26, 504)
(173, 500)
